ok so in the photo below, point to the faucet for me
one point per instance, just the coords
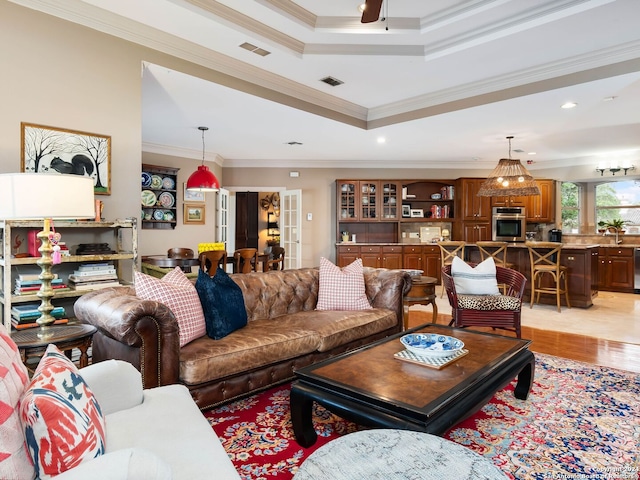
(618, 241)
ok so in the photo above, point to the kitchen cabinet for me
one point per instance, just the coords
(541, 208)
(538, 208)
(370, 255)
(368, 200)
(121, 236)
(508, 201)
(615, 269)
(473, 232)
(159, 197)
(423, 257)
(347, 254)
(474, 208)
(392, 256)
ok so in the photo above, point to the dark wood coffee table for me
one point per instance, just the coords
(372, 388)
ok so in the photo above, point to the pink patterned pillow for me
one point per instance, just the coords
(62, 419)
(177, 292)
(342, 289)
(14, 458)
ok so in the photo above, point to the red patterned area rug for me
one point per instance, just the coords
(580, 421)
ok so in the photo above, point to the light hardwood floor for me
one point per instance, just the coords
(583, 348)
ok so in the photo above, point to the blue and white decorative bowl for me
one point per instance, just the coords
(431, 344)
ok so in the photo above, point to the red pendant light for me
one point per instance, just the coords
(203, 179)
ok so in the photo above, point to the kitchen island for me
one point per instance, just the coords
(580, 260)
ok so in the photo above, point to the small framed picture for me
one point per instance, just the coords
(417, 213)
(193, 214)
(190, 196)
(406, 210)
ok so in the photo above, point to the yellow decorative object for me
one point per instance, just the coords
(205, 247)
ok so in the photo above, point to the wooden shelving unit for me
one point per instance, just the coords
(122, 236)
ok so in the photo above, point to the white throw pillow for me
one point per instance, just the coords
(480, 280)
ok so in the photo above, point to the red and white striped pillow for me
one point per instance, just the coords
(177, 292)
(14, 458)
(342, 289)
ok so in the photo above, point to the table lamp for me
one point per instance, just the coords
(30, 196)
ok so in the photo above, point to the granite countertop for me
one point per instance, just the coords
(574, 246)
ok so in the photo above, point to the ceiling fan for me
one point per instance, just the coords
(371, 11)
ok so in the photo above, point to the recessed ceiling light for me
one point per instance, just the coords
(381, 140)
(569, 105)
(608, 99)
(532, 153)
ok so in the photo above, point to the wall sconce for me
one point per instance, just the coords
(614, 168)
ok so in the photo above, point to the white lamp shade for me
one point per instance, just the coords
(26, 196)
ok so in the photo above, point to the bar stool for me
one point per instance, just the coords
(496, 250)
(449, 250)
(545, 261)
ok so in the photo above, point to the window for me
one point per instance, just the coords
(570, 207)
(619, 201)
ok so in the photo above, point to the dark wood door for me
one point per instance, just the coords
(247, 220)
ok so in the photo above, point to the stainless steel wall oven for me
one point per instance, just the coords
(508, 224)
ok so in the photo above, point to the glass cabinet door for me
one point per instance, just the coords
(391, 200)
(347, 192)
(368, 197)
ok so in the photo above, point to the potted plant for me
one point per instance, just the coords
(602, 226)
(616, 224)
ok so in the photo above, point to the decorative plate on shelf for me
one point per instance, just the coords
(168, 216)
(156, 181)
(431, 344)
(166, 199)
(168, 183)
(146, 179)
(148, 198)
(158, 214)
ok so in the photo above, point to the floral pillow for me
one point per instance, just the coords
(342, 288)
(177, 292)
(62, 420)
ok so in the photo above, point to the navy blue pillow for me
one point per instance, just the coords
(222, 303)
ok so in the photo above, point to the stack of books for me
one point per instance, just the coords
(29, 284)
(94, 275)
(25, 315)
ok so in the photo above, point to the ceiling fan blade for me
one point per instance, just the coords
(371, 11)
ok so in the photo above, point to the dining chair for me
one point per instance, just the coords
(547, 275)
(245, 260)
(496, 311)
(210, 260)
(449, 250)
(277, 262)
(180, 253)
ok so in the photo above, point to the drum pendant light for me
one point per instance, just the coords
(203, 179)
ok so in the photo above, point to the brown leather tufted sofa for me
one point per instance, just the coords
(284, 332)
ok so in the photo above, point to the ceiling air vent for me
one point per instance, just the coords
(252, 48)
(518, 150)
(334, 82)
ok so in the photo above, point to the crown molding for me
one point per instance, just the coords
(170, 151)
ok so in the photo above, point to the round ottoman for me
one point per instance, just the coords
(395, 455)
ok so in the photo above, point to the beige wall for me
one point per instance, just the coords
(60, 74)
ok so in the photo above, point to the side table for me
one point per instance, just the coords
(65, 337)
(423, 291)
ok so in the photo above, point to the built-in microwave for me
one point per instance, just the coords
(508, 224)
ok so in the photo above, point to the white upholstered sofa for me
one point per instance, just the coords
(157, 433)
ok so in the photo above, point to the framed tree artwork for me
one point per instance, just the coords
(193, 214)
(55, 150)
